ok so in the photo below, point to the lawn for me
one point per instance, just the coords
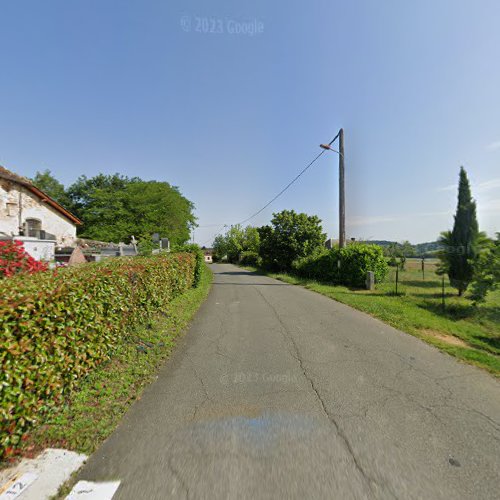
(469, 333)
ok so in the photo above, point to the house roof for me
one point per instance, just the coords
(23, 181)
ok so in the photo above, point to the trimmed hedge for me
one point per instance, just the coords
(355, 259)
(55, 327)
(194, 249)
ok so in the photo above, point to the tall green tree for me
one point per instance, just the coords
(460, 247)
(51, 186)
(115, 207)
(236, 241)
(290, 236)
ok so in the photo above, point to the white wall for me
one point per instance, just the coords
(15, 199)
(39, 249)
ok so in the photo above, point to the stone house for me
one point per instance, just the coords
(27, 212)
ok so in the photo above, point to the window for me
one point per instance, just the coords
(33, 227)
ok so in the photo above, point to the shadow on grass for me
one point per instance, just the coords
(420, 284)
(450, 311)
(237, 273)
(491, 341)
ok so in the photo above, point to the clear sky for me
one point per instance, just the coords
(182, 91)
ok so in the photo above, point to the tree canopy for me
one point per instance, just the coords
(51, 186)
(236, 241)
(115, 207)
(290, 236)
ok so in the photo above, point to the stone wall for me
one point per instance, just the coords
(18, 204)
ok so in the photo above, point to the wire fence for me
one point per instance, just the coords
(418, 278)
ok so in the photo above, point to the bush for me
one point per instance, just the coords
(15, 260)
(250, 258)
(355, 261)
(321, 266)
(359, 258)
(57, 326)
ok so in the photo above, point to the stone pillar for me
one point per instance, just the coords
(370, 280)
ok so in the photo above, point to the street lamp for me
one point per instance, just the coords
(340, 152)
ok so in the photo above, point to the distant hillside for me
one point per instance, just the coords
(425, 248)
(420, 249)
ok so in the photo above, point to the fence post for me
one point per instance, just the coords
(442, 293)
(397, 279)
(370, 280)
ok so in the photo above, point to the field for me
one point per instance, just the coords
(470, 333)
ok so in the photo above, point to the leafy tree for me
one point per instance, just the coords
(115, 207)
(486, 271)
(393, 252)
(290, 236)
(82, 192)
(51, 186)
(235, 242)
(406, 250)
(399, 251)
(461, 245)
(219, 246)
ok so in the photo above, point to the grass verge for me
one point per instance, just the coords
(95, 409)
(471, 334)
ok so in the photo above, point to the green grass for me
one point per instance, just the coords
(417, 310)
(94, 411)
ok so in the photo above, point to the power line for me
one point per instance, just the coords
(210, 240)
(303, 171)
(209, 225)
(284, 189)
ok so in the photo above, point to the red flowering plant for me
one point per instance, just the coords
(14, 259)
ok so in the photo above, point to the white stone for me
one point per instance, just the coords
(52, 468)
(87, 490)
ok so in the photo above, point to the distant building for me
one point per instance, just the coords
(26, 212)
(208, 253)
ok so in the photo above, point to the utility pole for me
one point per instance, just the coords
(341, 190)
(340, 152)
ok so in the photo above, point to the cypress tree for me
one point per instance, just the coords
(463, 240)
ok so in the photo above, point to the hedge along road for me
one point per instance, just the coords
(278, 392)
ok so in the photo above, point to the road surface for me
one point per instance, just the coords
(278, 392)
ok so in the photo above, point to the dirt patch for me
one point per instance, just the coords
(449, 339)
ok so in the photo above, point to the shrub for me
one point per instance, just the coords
(322, 266)
(15, 260)
(355, 261)
(359, 258)
(56, 327)
(250, 258)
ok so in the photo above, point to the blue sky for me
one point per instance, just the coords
(141, 88)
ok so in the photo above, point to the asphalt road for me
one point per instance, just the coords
(278, 392)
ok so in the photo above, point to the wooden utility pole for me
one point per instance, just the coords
(341, 191)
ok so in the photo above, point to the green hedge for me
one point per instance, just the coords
(194, 249)
(347, 266)
(55, 327)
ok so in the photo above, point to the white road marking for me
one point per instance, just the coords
(87, 490)
(17, 485)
